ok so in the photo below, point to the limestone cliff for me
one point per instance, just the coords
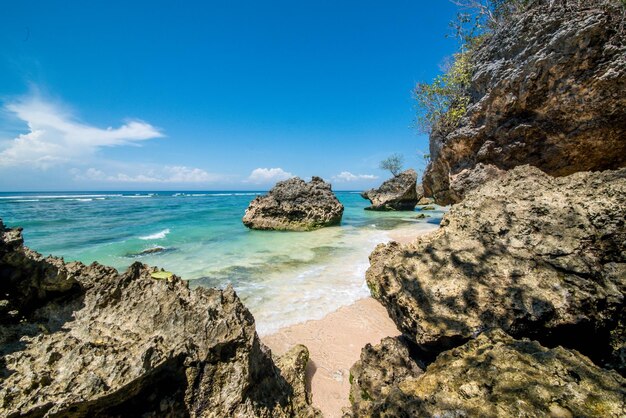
(546, 90)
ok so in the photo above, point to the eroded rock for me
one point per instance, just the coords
(537, 256)
(380, 369)
(295, 205)
(546, 90)
(88, 341)
(495, 375)
(397, 193)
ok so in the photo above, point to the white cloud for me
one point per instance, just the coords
(166, 174)
(268, 175)
(348, 176)
(56, 137)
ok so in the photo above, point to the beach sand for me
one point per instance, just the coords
(335, 341)
(335, 344)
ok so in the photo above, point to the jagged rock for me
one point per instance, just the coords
(537, 256)
(379, 370)
(546, 90)
(421, 199)
(495, 375)
(295, 205)
(397, 193)
(88, 341)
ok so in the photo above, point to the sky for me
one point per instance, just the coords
(229, 95)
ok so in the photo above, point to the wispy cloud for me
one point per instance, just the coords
(268, 175)
(167, 174)
(348, 176)
(56, 137)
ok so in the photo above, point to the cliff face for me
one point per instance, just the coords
(547, 90)
(80, 340)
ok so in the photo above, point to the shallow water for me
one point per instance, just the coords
(283, 277)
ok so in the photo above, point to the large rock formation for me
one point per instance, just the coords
(82, 341)
(494, 375)
(537, 256)
(294, 205)
(397, 193)
(546, 90)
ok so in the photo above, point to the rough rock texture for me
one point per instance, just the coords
(546, 90)
(81, 341)
(497, 376)
(537, 256)
(421, 199)
(294, 205)
(379, 370)
(397, 193)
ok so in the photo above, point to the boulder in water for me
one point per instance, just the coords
(397, 193)
(295, 205)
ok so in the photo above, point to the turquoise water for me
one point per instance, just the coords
(283, 277)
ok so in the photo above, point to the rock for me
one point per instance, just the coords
(149, 251)
(379, 370)
(292, 366)
(422, 216)
(397, 193)
(427, 208)
(294, 205)
(546, 90)
(495, 375)
(421, 199)
(537, 256)
(89, 341)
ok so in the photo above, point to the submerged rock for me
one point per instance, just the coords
(397, 193)
(495, 375)
(546, 90)
(88, 341)
(537, 256)
(149, 251)
(294, 205)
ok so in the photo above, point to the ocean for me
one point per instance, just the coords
(283, 277)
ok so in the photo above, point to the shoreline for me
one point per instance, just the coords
(335, 344)
(335, 341)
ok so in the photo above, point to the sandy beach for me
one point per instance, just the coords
(335, 343)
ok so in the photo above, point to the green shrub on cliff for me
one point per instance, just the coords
(442, 103)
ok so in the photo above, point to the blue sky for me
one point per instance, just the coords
(156, 95)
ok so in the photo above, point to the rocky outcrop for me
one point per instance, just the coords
(421, 198)
(294, 205)
(378, 372)
(536, 256)
(80, 341)
(397, 193)
(495, 375)
(546, 90)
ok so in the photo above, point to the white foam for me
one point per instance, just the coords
(69, 196)
(158, 235)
